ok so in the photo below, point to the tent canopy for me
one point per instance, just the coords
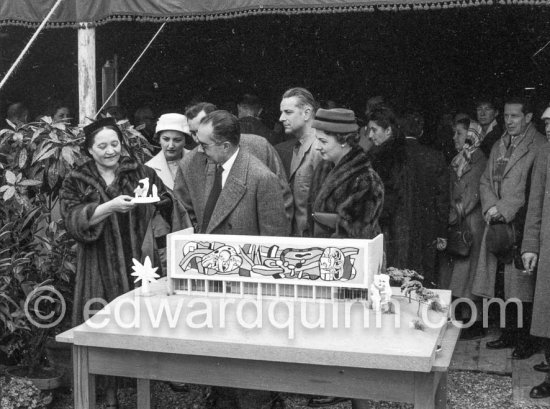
(72, 12)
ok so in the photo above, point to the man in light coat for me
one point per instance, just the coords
(536, 253)
(300, 155)
(504, 189)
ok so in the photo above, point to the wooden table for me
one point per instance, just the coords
(379, 362)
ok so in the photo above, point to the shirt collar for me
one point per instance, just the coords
(227, 165)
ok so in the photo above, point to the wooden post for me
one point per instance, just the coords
(87, 99)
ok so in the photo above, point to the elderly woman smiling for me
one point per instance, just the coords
(97, 207)
(109, 228)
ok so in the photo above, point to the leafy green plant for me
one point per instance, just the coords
(36, 251)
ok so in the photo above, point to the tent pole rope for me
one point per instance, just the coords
(130, 70)
(31, 41)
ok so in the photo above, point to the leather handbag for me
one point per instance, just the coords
(459, 240)
(459, 236)
(325, 224)
(500, 240)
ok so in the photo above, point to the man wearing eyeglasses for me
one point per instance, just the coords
(257, 145)
(232, 192)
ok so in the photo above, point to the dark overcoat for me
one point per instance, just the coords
(430, 205)
(398, 220)
(351, 189)
(105, 250)
(536, 239)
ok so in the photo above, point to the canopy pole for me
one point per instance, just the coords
(87, 92)
(131, 68)
(31, 41)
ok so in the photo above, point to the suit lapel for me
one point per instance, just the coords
(204, 181)
(233, 190)
(304, 148)
(521, 150)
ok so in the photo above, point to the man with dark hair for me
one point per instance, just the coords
(145, 121)
(195, 113)
(17, 114)
(249, 109)
(504, 190)
(487, 114)
(255, 144)
(536, 260)
(300, 155)
(251, 200)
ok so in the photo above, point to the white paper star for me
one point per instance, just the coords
(144, 272)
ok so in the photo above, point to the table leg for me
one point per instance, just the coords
(424, 389)
(143, 394)
(84, 382)
(441, 392)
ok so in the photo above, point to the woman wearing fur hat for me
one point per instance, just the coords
(109, 228)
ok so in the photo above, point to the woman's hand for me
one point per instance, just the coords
(441, 243)
(121, 204)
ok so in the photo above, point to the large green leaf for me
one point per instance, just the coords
(10, 177)
(36, 134)
(53, 137)
(30, 182)
(8, 194)
(23, 155)
(44, 154)
(68, 154)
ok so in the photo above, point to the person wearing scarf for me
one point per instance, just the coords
(504, 190)
(457, 273)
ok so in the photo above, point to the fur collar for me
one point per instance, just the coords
(89, 174)
(353, 164)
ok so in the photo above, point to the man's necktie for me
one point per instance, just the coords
(212, 198)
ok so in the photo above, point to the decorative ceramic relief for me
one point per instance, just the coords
(280, 260)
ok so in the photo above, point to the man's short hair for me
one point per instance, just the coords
(17, 111)
(486, 100)
(225, 126)
(304, 97)
(526, 105)
(250, 101)
(192, 111)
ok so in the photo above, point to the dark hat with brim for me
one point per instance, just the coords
(108, 122)
(337, 120)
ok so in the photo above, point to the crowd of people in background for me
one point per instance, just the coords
(325, 171)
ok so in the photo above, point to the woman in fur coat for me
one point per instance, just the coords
(110, 229)
(346, 195)
(98, 213)
(400, 219)
(344, 183)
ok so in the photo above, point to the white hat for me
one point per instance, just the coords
(173, 122)
(546, 114)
